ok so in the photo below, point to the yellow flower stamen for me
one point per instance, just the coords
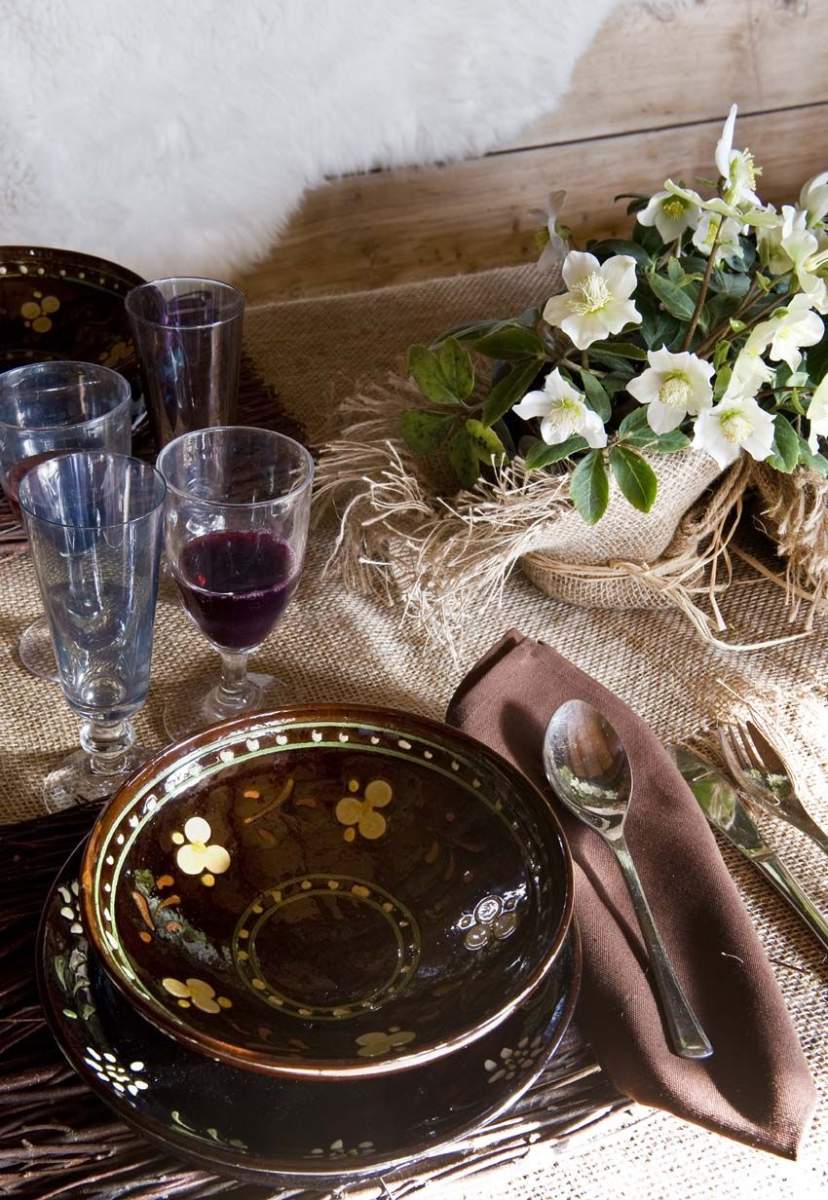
(734, 425)
(674, 207)
(675, 391)
(590, 295)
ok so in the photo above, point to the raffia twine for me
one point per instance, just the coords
(794, 512)
(442, 556)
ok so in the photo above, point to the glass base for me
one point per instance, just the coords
(35, 651)
(75, 783)
(197, 707)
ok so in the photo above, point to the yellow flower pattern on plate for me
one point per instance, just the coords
(372, 1045)
(195, 856)
(361, 813)
(36, 312)
(197, 992)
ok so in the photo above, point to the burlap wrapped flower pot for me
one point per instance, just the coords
(446, 556)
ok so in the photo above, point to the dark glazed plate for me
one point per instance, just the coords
(260, 1127)
(328, 891)
(61, 304)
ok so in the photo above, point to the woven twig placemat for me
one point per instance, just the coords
(334, 646)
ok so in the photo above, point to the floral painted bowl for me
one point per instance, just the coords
(61, 304)
(329, 892)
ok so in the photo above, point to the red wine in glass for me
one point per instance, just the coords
(16, 473)
(236, 584)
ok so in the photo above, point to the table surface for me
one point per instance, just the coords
(336, 645)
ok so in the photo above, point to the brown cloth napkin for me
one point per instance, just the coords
(756, 1087)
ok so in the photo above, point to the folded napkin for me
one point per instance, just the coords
(756, 1087)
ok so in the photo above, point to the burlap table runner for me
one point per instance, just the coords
(333, 646)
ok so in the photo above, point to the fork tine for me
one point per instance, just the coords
(727, 738)
(756, 756)
(751, 755)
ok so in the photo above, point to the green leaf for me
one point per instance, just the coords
(596, 397)
(589, 487)
(509, 389)
(658, 328)
(720, 354)
(426, 368)
(541, 455)
(621, 366)
(675, 271)
(59, 963)
(647, 237)
(635, 477)
(609, 246)
(463, 457)
(807, 458)
(785, 453)
(817, 359)
(635, 430)
(423, 432)
(734, 284)
(677, 301)
(469, 329)
(510, 341)
(622, 350)
(486, 442)
(721, 382)
(457, 368)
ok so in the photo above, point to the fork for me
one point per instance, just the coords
(760, 770)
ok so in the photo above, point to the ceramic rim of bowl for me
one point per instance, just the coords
(332, 1069)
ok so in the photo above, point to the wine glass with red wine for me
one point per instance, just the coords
(48, 409)
(237, 513)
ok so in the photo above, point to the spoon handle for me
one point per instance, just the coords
(686, 1034)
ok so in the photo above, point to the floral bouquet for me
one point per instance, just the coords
(669, 372)
(704, 330)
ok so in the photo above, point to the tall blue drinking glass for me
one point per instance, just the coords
(46, 409)
(94, 523)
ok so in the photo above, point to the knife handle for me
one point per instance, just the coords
(790, 888)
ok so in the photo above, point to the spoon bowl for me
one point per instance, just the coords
(589, 770)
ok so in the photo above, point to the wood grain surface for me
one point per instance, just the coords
(646, 101)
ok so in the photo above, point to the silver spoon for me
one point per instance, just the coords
(588, 768)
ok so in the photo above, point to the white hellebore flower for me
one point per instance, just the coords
(786, 331)
(597, 301)
(563, 413)
(671, 215)
(772, 255)
(711, 226)
(734, 425)
(818, 416)
(803, 247)
(736, 167)
(672, 386)
(814, 198)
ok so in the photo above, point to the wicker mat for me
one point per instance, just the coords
(333, 646)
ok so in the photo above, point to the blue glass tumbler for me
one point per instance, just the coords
(94, 522)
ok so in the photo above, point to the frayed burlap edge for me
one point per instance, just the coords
(441, 556)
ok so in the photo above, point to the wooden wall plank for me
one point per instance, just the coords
(373, 230)
(646, 72)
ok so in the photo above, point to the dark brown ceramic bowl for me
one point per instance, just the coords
(328, 892)
(61, 304)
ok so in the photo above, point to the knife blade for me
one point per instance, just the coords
(720, 802)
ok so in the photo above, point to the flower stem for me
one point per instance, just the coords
(705, 284)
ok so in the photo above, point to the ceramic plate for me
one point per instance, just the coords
(61, 304)
(341, 890)
(254, 1126)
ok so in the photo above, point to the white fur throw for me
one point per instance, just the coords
(176, 136)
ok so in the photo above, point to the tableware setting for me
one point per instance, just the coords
(333, 930)
(310, 943)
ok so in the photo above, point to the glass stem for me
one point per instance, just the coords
(107, 743)
(232, 690)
